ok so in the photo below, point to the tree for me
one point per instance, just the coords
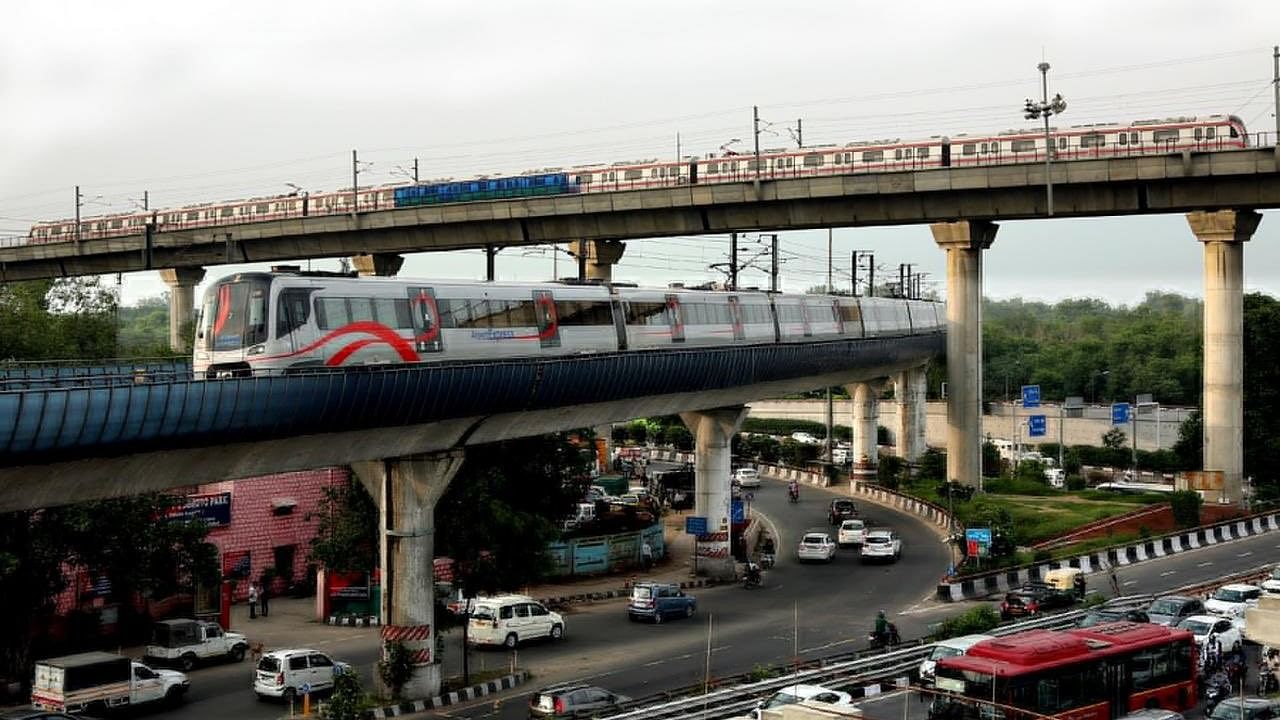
(1114, 439)
(347, 700)
(1262, 394)
(52, 320)
(1190, 445)
(932, 465)
(990, 460)
(33, 549)
(346, 537)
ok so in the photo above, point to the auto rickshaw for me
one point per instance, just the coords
(1067, 579)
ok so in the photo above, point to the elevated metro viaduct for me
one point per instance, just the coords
(405, 431)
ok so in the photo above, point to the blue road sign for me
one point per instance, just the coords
(1037, 426)
(305, 688)
(1119, 413)
(737, 512)
(695, 525)
(977, 542)
(1030, 396)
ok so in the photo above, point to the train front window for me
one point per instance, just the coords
(239, 314)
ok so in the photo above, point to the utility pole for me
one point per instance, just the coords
(1275, 81)
(79, 197)
(853, 273)
(415, 171)
(678, 156)
(755, 122)
(830, 288)
(733, 261)
(146, 200)
(773, 273)
(799, 133)
(1045, 108)
(489, 252)
(355, 182)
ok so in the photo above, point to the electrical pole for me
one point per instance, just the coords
(773, 273)
(755, 122)
(733, 261)
(146, 200)
(1048, 141)
(355, 182)
(415, 171)
(489, 252)
(1275, 81)
(853, 273)
(78, 198)
(677, 147)
(830, 288)
(799, 133)
(871, 274)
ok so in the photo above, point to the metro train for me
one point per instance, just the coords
(1027, 145)
(287, 321)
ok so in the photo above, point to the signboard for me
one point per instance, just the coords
(1037, 426)
(977, 542)
(695, 525)
(213, 508)
(737, 513)
(1030, 396)
(1119, 413)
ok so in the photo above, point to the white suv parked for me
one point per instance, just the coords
(509, 620)
(287, 674)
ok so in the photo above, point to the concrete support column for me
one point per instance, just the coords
(1223, 234)
(964, 242)
(602, 255)
(909, 391)
(182, 303)
(406, 490)
(377, 264)
(866, 415)
(713, 432)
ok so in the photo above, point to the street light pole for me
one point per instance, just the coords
(1045, 108)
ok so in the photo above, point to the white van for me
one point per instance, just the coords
(509, 620)
(951, 647)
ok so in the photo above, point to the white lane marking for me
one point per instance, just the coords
(1204, 564)
(1127, 583)
(1245, 554)
(826, 646)
(655, 662)
(1167, 574)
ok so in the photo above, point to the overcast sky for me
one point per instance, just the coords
(216, 101)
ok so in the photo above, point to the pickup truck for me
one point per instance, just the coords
(187, 642)
(102, 681)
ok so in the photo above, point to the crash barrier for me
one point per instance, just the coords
(604, 553)
(861, 674)
(982, 585)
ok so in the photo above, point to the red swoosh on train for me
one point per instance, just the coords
(381, 333)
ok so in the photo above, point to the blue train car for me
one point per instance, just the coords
(489, 189)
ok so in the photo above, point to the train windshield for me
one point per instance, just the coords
(235, 314)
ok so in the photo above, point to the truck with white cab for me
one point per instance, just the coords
(185, 643)
(98, 681)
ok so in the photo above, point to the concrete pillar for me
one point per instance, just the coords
(602, 255)
(866, 416)
(1223, 234)
(182, 303)
(406, 490)
(713, 432)
(377, 264)
(909, 391)
(964, 242)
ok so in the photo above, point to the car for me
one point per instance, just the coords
(1233, 599)
(1271, 585)
(1033, 598)
(284, 674)
(851, 532)
(841, 456)
(1172, 609)
(880, 544)
(1101, 615)
(801, 693)
(1202, 626)
(1056, 477)
(804, 438)
(816, 546)
(509, 620)
(1152, 714)
(841, 509)
(659, 601)
(951, 647)
(747, 477)
(572, 700)
(1246, 708)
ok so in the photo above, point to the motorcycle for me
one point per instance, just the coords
(889, 638)
(766, 560)
(794, 492)
(1268, 683)
(752, 576)
(1217, 689)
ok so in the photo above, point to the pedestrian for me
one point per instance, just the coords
(253, 601)
(262, 598)
(1079, 583)
(646, 556)
(1213, 652)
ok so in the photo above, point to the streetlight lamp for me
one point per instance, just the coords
(1033, 110)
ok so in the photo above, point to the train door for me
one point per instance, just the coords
(544, 307)
(835, 312)
(773, 313)
(619, 319)
(675, 319)
(735, 313)
(946, 153)
(804, 313)
(427, 334)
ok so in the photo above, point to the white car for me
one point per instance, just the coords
(816, 546)
(747, 477)
(509, 620)
(286, 674)
(1232, 600)
(1202, 626)
(794, 694)
(951, 647)
(851, 532)
(804, 438)
(881, 545)
(1272, 584)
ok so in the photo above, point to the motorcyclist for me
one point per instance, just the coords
(793, 488)
(882, 626)
(753, 573)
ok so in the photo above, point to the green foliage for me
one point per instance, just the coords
(679, 437)
(347, 702)
(786, 426)
(1186, 508)
(971, 622)
(1093, 599)
(764, 448)
(932, 465)
(346, 537)
(1262, 394)
(797, 454)
(144, 328)
(72, 318)
(1114, 439)
(760, 673)
(1189, 448)
(1075, 483)
(1031, 471)
(396, 668)
(891, 470)
(990, 460)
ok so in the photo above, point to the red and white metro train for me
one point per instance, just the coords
(290, 321)
(1027, 145)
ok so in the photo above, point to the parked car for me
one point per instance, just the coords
(747, 477)
(1246, 708)
(187, 642)
(659, 601)
(1101, 615)
(852, 532)
(1271, 585)
(1233, 599)
(1173, 609)
(841, 509)
(816, 546)
(1202, 626)
(284, 674)
(509, 620)
(951, 647)
(572, 700)
(98, 680)
(881, 545)
(794, 694)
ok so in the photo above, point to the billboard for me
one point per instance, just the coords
(213, 508)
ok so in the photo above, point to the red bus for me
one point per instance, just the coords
(1095, 673)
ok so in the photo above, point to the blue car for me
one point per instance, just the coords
(659, 601)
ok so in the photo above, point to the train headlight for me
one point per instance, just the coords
(257, 350)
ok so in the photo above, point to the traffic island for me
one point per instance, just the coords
(462, 695)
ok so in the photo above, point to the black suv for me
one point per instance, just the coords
(842, 509)
(572, 700)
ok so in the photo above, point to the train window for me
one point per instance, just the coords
(263, 208)
(584, 312)
(292, 310)
(1234, 132)
(1134, 138)
(613, 175)
(513, 314)
(995, 147)
(453, 313)
(116, 224)
(968, 148)
(791, 162)
(1164, 136)
(1199, 133)
(226, 211)
(873, 156)
(653, 172)
(361, 309)
(331, 312)
(384, 311)
(813, 160)
(584, 179)
(1022, 145)
(922, 152)
(632, 175)
(906, 153)
(1093, 140)
(1210, 133)
(1124, 139)
(646, 313)
(709, 168)
(897, 154)
(984, 148)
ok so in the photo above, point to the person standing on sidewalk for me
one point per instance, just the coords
(263, 595)
(646, 556)
(253, 601)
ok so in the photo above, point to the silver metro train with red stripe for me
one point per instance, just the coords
(289, 321)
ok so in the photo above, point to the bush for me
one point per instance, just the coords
(1186, 508)
(1075, 482)
(972, 622)
(347, 701)
(396, 670)
(932, 465)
